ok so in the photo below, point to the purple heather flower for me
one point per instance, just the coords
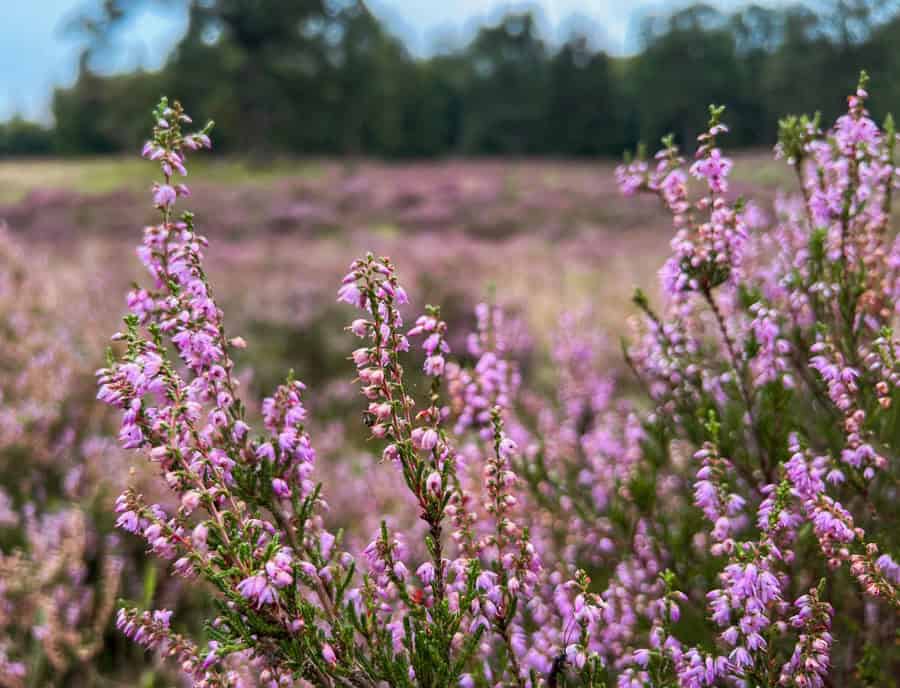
(281, 489)
(256, 588)
(164, 196)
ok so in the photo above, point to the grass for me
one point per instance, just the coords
(108, 174)
(129, 173)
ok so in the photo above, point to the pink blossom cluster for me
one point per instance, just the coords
(779, 355)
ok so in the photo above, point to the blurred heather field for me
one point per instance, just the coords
(539, 237)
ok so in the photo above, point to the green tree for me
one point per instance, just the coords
(504, 100)
(688, 61)
(326, 77)
(585, 110)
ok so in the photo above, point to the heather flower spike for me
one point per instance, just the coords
(774, 358)
(249, 518)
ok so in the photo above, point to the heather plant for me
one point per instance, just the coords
(723, 516)
(250, 521)
(770, 370)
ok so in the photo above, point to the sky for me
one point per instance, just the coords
(37, 52)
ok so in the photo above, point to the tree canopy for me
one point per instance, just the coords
(326, 77)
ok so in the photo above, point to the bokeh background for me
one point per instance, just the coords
(473, 142)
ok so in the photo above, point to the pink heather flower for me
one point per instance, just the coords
(400, 570)
(713, 349)
(631, 177)
(714, 168)
(426, 573)
(190, 500)
(162, 617)
(425, 438)
(852, 131)
(889, 568)
(265, 451)
(350, 293)
(507, 448)
(429, 439)
(164, 195)
(128, 521)
(199, 535)
(359, 327)
(280, 488)
(434, 365)
(433, 483)
(280, 569)
(257, 589)
(424, 323)
(211, 658)
(486, 581)
(381, 411)
(326, 542)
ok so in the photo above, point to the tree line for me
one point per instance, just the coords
(325, 77)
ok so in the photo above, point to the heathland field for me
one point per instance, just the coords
(290, 227)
